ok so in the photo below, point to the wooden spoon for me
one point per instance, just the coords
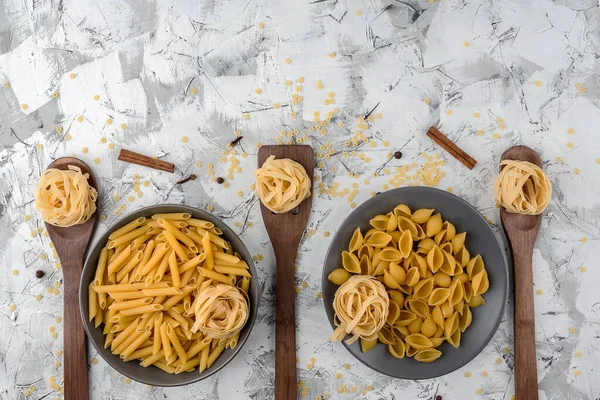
(285, 231)
(70, 244)
(521, 231)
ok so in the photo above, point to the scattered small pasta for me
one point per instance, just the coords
(170, 292)
(282, 184)
(409, 283)
(522, 188)
(64, 197)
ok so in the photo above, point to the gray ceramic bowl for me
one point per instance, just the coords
(152, 375)
(480, 240)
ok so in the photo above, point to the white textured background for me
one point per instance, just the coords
(489, 74)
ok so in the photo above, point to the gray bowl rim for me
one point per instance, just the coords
(363, 209)
(228, 233)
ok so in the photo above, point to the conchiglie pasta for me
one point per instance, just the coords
(402, 210)
(339, 276)
(397, 349)
(433, 225)
(398, 273)
(435, 258)
(390, 254)
(432, 284)
(421, 215)
(423, 289)
(405, 244)
(438, 296)
(366, 345)
(427, 355)
(356, 241)
(379, 222)
(378, 239)
(350, 262)
(418, 341)
(428, 327)
(458, 241)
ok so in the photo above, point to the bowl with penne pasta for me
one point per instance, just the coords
(415, 283)
(168, 295)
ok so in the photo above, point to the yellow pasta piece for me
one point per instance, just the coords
(450, 230)
(390, 254)
(412, 276)
(450, 325)
(366, 345)
(433, 225)
(427, 355)
(392, 223)
(458, 242)
(480, 283)
(405, 318)
(441, 279)
(339, 276)
(418, 341)
(418, 307)
(402, 210)
(397, 349)
(428, 327)
(366, 266)
(379, 222)
(423, 289)
(397, 297)
(385, 336)
(437, 316)
(405, 244)
(378, 239)
(398, 273)
(456, 293)
(475, 266)
(422, 215)
(394, 313)
(464, 319)
(435, 258)
(350, 262)
(356, 241)
(438, 296)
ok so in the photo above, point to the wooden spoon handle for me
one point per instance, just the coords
(75, 353)
(285, 329)
(526, 384)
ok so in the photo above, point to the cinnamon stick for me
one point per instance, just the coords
(145, 161)
(451, 147)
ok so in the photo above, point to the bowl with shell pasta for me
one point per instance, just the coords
(415, 283)
(168, 295)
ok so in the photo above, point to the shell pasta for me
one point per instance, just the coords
(408, 282)
(160, 299)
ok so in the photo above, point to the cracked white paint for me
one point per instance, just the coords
(182, 68)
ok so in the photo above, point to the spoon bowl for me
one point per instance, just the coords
(70, 244)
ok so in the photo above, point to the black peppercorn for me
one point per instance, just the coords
(39, 274)
(220, 180)
(438, 397)
(398, 155)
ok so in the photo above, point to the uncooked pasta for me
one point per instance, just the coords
(522, 188)
(361, 307)
(64, 197)
(282, 184)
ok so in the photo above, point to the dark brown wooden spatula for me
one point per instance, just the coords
(70, 244)
(285, 231)
(521, 231)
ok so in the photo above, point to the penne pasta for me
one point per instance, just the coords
(128, 237)
(215, 276)
(127, 228)
(172, 216)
